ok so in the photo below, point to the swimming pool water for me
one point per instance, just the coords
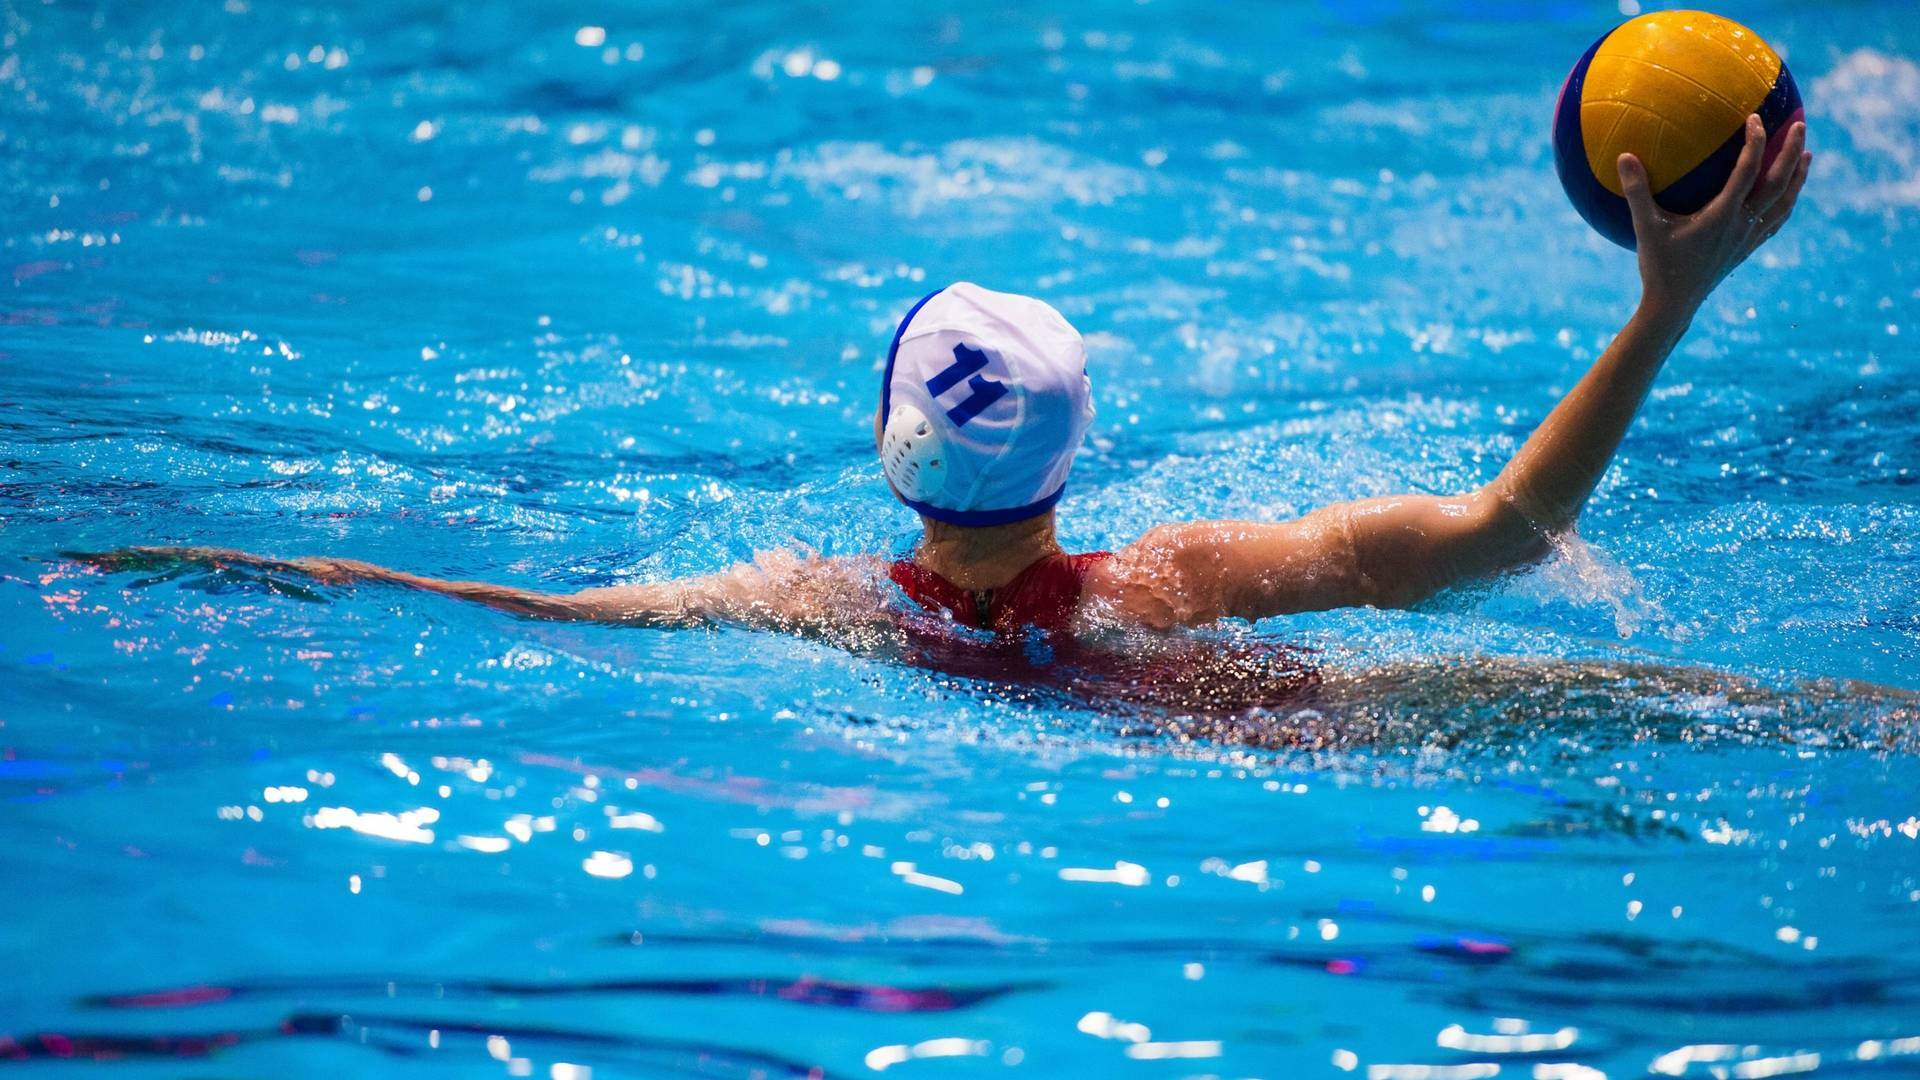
(579, 293)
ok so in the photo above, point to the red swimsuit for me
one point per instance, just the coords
(1043, 596)
(1192, 676)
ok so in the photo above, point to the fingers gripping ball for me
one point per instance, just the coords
(1674, 89)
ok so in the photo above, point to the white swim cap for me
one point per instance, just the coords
(986, 400)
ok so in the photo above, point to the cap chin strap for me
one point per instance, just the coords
(912, 456)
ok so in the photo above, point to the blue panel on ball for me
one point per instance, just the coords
(1602, 209)
(1698, 187)
(1688, 194)
(1783, 102)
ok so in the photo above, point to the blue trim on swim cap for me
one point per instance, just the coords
(893, 350)
(976, 519)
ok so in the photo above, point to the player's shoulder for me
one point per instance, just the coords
(1170, 576)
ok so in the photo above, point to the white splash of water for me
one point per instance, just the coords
(1875, 98)
(1582, 574)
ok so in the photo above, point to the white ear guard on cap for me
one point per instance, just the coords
(910, 454)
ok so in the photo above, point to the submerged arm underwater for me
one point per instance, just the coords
(784, 592)
(1399, 550)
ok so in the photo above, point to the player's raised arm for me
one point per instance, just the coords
(1400, 550)
(779, 591)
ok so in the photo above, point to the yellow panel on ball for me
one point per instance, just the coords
(1670, 88)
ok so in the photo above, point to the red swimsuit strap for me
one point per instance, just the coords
(1044, 595)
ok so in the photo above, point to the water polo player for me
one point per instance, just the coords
(986, 399)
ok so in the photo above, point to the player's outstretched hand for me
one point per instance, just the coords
(1684, 256)
(326, 570)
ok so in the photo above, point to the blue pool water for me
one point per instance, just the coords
(574, 294)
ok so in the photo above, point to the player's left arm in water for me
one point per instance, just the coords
(1400, 550)
(778, 591)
